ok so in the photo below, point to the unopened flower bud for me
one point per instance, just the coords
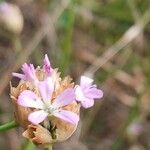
(11, 18)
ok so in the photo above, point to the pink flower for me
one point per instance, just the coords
(86, 92)
(47, 66)
(28, 73)
(45, 107)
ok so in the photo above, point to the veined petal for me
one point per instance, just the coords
(32, 71)
(25, 68)
(46, 88)
(65, 98)
(37, 116)
(19, 75)
(29, 99)
(85, 81)
(29, 72)
(94, 93)
(67, 116)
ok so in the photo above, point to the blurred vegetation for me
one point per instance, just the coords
(74, 33)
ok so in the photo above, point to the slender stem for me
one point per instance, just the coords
(17, 44)
(49, 147)
(8, 126)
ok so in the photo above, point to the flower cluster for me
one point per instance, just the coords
(49, 106)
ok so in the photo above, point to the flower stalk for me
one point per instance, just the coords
(8, 126)
(49, 147)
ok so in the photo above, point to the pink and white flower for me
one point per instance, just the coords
(44, 105)
(28, 73)
(47, 66)
(86, 92)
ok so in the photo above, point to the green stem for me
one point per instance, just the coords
(16, 43)
(8, 126)
(49, 147)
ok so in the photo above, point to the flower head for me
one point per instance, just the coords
(44, 105)
(86, 92)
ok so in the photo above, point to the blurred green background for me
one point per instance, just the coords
(108, 39)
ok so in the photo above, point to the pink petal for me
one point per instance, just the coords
(26, 69)
(46, 88)
(85, 81)
(47, 66)
(65, 98)
(46, 60)
(29, 99)
(32, 70)
(79, 93)
(67, 116)
(19, 75)
(94, 93)
(87, 103)
(37, 116)
(29, 72)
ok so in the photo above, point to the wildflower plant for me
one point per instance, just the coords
(47, 106)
